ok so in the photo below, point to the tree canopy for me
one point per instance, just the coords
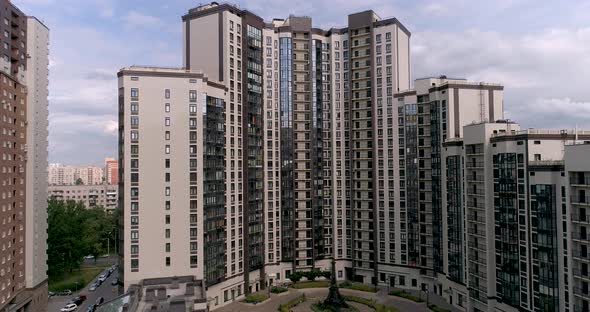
(74, 232)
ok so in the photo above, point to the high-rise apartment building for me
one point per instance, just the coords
(506, 223)
(321, 92)
(577, 195)
(111, 171)
(172, 151)
(24, 81)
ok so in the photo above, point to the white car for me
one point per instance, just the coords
(69, 308)
(102, 278)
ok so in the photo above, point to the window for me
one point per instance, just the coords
(135, 263)
(167, 93)
(167, 261)
(388, 36)
(134, 136)
(167, 219)
(378, 38)
(192, 108)
(134, 220)
(167, 135)
(167, 233)
(167, 247)
(192, 95)
(134, 235)
(193, 260)
(134, 108)
(167, 191)
(134, 249)
(167, 121)
(537, 157)
(134, 92)
(167, 107)
(167, 163)
(167, 149)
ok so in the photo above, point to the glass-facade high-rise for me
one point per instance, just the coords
(214, 187)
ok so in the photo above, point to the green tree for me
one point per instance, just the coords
(74, 232)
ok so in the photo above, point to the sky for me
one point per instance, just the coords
(539, 50)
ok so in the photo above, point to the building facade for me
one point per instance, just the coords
(111, 171)
(101, 195)
(24, 81)
(577, 171)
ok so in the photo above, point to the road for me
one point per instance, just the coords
(106, 290)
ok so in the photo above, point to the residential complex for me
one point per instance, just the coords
(24, 81)
(279, 146)
(71, 175)
(100, 195)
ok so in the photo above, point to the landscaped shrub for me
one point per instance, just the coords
(295, 277)
(278, 290)
(309, 284)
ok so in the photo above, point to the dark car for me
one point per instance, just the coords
(78, 300)
(99, 301)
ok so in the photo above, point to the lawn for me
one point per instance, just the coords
(68, 281)
(405, 295)
(358, 286)
(256, 298)
(371, 303)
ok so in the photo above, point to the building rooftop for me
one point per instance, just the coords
(168, 294)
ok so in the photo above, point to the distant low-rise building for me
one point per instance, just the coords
(91, 195)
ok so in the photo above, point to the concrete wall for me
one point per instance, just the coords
(37, 77)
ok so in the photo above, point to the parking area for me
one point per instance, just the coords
(105, 290)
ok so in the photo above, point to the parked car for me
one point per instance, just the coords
(91, 308)
(69, 307)
(108, 273)
(51, 294)
(115, 282)
(78, 300)
(99, 301)
(93, 287)
(102, 278)
(89, 257)
(66, 292)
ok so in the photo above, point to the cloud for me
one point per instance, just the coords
(436, 8)
(137, 19)
(539, 70)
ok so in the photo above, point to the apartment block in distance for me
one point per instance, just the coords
(111, 171)
(72, 175)
(101, 195)
(24, 82)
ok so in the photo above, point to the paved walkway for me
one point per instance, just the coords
(314, 295)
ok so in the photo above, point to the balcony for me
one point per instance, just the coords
(475, 165)
(583, 218)
(580, 181)
(580, 236)
(580, 200)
